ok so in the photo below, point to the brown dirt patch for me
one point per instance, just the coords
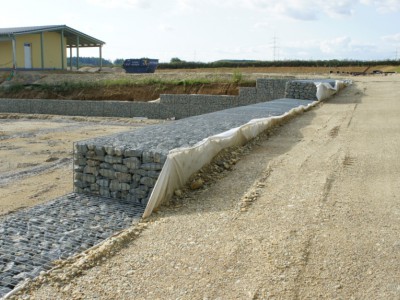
(124, 93)
(36, 154)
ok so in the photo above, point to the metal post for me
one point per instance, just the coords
(41, 49)
(14, 53)
(101, 57)
(62, 50)
(70, 58)
(77, 52)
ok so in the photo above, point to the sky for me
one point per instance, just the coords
(210, 30)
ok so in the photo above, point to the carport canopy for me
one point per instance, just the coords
(72, 37)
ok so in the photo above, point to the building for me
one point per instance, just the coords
(42, 47)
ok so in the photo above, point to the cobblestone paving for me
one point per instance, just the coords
(31, 239)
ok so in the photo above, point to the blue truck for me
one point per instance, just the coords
(140, 65)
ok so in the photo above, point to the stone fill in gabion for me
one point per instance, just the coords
(127, 165)
(169, 106)
(305, 88)
(31, 239)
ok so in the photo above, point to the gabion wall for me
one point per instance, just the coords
(116, 172)
(301, 89)
(170, 106)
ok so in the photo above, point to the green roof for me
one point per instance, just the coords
(69, 33)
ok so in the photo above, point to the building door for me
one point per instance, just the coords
(28, 55)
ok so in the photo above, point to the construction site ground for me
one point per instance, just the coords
(309, 210)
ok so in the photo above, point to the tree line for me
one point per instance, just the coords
(176, 63)
(90, 61)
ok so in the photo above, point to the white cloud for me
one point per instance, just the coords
(204, 5)
(302, 44)
(166, 27)
(394, 38)
(186, 5)
(346, 47)
(383, 6)
(337, 45)
(296, 49)
(305, 10)
(339, 8)
(262, 25)
(284, 8)
(260, 52)
(143, 4)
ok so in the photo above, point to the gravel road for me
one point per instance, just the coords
(311, 211)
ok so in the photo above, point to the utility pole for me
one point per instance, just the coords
(275, 47)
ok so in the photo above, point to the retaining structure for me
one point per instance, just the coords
(301, 89)
(169, 106)
(122, 166)
(127, 165)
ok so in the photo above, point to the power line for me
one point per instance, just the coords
(275, 47)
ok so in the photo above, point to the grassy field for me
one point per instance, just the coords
(115, 84)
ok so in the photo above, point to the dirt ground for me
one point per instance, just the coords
(310, 211)
(36, 154)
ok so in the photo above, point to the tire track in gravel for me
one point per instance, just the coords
(81, 126)
(342, 262)
(328, 157)
(5, 178)
(289, 243)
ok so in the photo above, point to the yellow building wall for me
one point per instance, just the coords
(6, 59)
(51, 51)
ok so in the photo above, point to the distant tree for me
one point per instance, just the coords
(176, 63)
(176, 60)
(118, 62)
(89, 61)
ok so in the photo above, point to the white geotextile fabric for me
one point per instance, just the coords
(181, 163)
(325, 90)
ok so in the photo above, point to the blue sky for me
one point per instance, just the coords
(209, 30)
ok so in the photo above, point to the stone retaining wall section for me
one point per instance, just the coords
(170, 106)
(116, 172)
(183, 106)
(127, 165)
(303, 89)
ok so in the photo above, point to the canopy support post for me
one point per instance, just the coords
(62, 50)
(42, 49)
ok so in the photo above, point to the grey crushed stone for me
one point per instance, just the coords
(187, 132)
(31, 239)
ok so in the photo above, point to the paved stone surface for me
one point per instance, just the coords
(31, 239)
